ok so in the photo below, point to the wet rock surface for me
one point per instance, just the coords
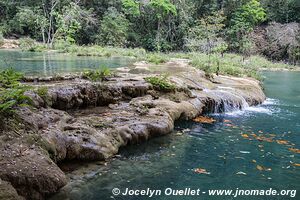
(80, 120)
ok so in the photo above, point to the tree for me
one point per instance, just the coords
(113, 28)
(161, 10)
(243, 22)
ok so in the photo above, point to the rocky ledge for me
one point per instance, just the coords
(82, 120)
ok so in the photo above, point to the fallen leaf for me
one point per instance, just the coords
(260, 168)
(265, 139)
(294, 150)
(203, 119)
(253, 134)
(254, 161)
(201, 171)
(282, 141)
(245, 136)
(227, 121)
(297, 164)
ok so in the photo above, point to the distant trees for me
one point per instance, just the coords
(156, 25)
(113, 29)
(242, 23)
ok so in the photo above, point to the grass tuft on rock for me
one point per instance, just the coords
(161, 83)
(98, 75)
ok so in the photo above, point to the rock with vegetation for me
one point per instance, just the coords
(89, 120)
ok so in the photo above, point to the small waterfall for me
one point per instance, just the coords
(225, 101)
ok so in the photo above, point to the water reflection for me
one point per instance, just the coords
(50, 63)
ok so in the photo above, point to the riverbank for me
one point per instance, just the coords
(225, 64)
(83, 120)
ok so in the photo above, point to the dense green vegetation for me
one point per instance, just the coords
(98, 75)
(11, 92)
(155, 25)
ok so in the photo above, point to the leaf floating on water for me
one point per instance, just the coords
(201, 171)
(227, 121)
(253, 134)
(294, 150)
(245, 136)
(297, 164)
(282, 141)
(205, 120)
(265, 139)
(254, 161)
(262, 168)
(241, 173)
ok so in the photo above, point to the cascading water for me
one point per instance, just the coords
(227, 100)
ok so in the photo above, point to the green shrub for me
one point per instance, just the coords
(10, 98)
(98, 75)
(12, 92)
(27, 44)
(9, 78)
(157, 58)
(161, 83)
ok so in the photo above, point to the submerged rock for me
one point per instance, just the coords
(88, 121)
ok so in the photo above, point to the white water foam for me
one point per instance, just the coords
(270, 101)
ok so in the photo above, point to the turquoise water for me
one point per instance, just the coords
(46, 64)
(232, 160)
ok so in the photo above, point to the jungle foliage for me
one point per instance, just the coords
(208, 26)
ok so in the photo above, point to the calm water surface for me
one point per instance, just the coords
(231, 159)
(46, 64)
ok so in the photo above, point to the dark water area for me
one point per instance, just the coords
(249, 149)
(51, 63)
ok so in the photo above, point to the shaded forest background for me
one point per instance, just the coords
(266, 27)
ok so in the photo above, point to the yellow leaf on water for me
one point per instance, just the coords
(203, 119)
(294, 150)
(254, 161)
(260, 168)
(245, 136)
(297, 164)
(265, 139)
(282, 141)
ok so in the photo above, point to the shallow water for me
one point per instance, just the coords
(50, 63)
(232, 160)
